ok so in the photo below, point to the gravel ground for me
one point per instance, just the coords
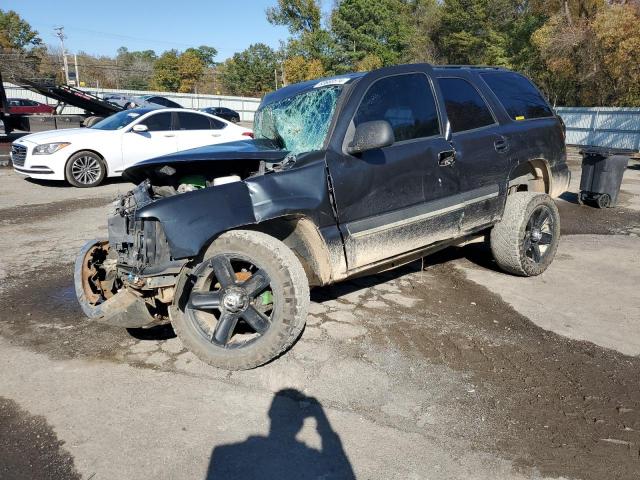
(454, 371)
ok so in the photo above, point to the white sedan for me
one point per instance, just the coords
(85, 156)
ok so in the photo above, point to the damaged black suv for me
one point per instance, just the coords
(346, 175)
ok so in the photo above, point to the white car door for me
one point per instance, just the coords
(196, 130)
(158, 140)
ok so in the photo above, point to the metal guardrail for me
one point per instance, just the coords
(610, 127)
(246, 106)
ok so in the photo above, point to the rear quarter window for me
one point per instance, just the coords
(519, 97)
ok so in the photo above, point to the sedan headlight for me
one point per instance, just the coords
(49, 148)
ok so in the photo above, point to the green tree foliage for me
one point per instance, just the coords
(166, 72)
(309, 39)
(190, 70)
(21, 48)
(16, 33)
(205, 54)
(382, 28)
(250, 72)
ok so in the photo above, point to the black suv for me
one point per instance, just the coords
(346, 175)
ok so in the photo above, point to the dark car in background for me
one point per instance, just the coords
(24, 106)
(223, 112)
(143, 101)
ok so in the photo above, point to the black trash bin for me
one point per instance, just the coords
(602, 172)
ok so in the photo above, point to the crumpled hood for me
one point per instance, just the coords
(240, 150)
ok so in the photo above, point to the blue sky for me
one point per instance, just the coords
(101, 27)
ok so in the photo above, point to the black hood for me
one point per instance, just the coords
(251, 150)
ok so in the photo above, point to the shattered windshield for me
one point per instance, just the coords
(299, 123)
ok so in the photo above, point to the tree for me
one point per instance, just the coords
(166, 72)
(205, 54)
(300, 16)
(425, 21)
(250, 72)
(21, 49)
(16, 33)
(381, 28)
(190, 69)
(298, 69)
(309, 39)
(368, 63)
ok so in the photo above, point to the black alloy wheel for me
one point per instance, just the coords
(539, 234)
(232, 302)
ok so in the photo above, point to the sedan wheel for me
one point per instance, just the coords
(85, 169)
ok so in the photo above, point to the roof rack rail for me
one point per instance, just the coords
(475, 67)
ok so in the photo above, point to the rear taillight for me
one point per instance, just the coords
(247, 134)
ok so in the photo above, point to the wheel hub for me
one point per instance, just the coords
(536, 235)
(235, 300)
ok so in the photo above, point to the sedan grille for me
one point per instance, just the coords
(18, 155)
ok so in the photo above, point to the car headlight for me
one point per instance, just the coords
(49, 148)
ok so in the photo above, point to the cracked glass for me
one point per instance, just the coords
(299, 123)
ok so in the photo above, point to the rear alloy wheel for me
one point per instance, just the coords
(244, 304)
(85, 169)
(604, 200)
(526, 239)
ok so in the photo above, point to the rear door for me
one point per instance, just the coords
(158, 140)
(195, 130)
(394, 200)
(481, 151)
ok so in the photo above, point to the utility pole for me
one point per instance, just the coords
(75, 60)
(275, 75)
(60, 34)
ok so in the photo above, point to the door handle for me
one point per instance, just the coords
(168, 135)
(215, 134)
(501, 145)
(446, 158)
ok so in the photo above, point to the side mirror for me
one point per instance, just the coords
(140, 128)
(371, 135)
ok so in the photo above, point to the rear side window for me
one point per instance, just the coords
(158, 122)
(466, 109)
(193, 121)
(518, 96)
(216, 124)
(406, 102)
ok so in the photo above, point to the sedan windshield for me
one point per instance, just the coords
(299, 123)
(117, 121)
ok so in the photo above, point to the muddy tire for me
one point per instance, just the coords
(526, 239)
(85, 169)
(244, 304)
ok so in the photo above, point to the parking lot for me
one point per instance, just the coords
(451, 371)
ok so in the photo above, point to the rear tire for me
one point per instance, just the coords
(85, 169)
(211, 308)
(526, 239)
(604, 200)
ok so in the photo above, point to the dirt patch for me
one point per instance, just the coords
(564, 407)
(41, 312)
(29, 214)
(29, 448)
(578, 219)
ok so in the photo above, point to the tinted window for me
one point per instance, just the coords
(193, 121)
(517, 94)
(465, 107)
(158, 122)
(406, 102)
(217, 124)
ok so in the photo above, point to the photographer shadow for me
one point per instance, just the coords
(280, 455)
